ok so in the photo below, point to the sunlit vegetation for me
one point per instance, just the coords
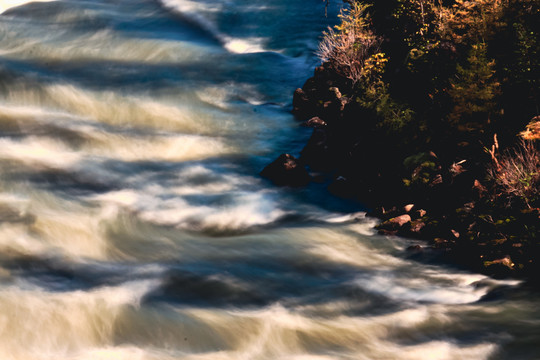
(434, 99)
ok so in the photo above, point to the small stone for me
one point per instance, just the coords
(421, 213)
(315, 122)
(408, 207)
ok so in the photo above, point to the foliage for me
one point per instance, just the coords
(532, 130)
(423, 170)
(473, 90)
(444, 77)
(470, 21)
(517, 173)
(351, 48)
(442, 66)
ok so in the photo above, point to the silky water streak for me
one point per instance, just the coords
(133, 224)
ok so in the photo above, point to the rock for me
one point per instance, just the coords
(408, 207)
(314, 122)
(286, 171)
(415, 248)
(416, 227)
(420, 213)
(302, 106)
(335, 92)
(319, 71)
(316, 154)
(334, 104)
(342, 187)
(394, 224)
(401, 220)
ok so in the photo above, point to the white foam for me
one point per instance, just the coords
(28, 41)
(116, 353)
(441, 350)
(39, 151)
(425, 287)
(48, 224)
(195, 12)
(62, 325)
(248, 209)
(337, 219)
(243, 46)
(277, 332)
(117, 109)
(199, 198)
(158, 147)
(8, 4)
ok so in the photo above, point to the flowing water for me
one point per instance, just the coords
(133, 224)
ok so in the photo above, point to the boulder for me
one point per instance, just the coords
(286, 170)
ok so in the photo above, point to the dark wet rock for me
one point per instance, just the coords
(302, 105)
(286, 170)
(316, 153)
(415, 248)
(333, 105)
(342, 187)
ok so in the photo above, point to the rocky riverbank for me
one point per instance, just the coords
(440, 196)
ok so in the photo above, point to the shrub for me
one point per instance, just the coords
(517, 173)
(351, 47)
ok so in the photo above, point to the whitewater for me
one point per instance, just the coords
(134, 224)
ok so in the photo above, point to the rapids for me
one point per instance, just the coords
(133, 224)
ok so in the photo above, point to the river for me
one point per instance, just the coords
(134, 225)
